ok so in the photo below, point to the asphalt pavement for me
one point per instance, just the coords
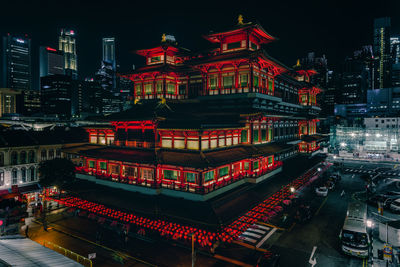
(318, 239)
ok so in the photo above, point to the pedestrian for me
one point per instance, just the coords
(26, 231)
(342, 194)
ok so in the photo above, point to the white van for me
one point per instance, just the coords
(354, 236)
(395, 205)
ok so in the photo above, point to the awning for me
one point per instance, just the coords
(29, 189)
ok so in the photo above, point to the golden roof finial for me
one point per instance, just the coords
(240, 20)
(298, 63)
(163, 38)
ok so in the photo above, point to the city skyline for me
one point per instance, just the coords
(335, 33)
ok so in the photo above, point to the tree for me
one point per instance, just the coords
(56, 172)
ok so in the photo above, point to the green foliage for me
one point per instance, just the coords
(56, 172)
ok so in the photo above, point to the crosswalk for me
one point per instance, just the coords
(366, 171)
(257, 234)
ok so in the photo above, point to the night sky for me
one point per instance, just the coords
(333, 28)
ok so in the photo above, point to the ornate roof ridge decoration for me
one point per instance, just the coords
(249, 27)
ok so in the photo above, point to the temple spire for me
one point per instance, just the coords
(163, 38)
(240, 20)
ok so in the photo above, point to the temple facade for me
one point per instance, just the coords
(205, 122)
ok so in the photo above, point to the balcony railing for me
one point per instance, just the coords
(239, 90)
(137, 143)
(177, 185)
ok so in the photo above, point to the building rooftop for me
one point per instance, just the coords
(19, 251)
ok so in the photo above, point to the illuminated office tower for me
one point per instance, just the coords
(16, 67)
(67, 44)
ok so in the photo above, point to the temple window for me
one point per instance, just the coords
(93, 138)
(263, 134)
(228, 81)
(91, 163)
(159, 87)
(130, 171)
(256, 165)
(138, 89)
(179, 142)
(255, 135)
(255, 81)
(212, 82)
(170, 175)
(270, 161)
(234, 45)
(148, 88)
(244, 136)
(193, 143)
(182, 89)
(223, 171)
(209, 176)
(155, 59)
(270, 85)
(171, 88)
(147, 174)
(204, 142)
(114, 169)
(166, 141)
(190, 177)
(246, 166)
(103, 165)
(243, 80)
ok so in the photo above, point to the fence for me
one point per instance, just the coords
(68, 253)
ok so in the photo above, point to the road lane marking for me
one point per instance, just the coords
(262, 227)
(311, 260)
(256, 230)
(266, 237)
(323, 203)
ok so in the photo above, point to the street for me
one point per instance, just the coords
(296, 246)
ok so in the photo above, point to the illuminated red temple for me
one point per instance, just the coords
(204, 123)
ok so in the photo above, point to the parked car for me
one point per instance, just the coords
(395, 206)
(303, 213)
(321, 191)
(380, 198)
(330, 185)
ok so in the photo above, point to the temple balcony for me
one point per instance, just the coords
(134, 143)
(181, 189)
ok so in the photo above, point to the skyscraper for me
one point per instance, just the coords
(109, 56)
(51, 61)
(16, 67)
(67, 44)
(56, 94)
(382, 52)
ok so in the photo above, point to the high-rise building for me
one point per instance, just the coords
(16, 65)
(56, 93)
(109, 50)
(67, 44)
(395, 56)
(382, 52)
(109, 57)
(51, 61)
(356, 78)
(29, 102)
(8, 101)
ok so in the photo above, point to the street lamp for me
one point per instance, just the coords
(292, 189)
(370, 223)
